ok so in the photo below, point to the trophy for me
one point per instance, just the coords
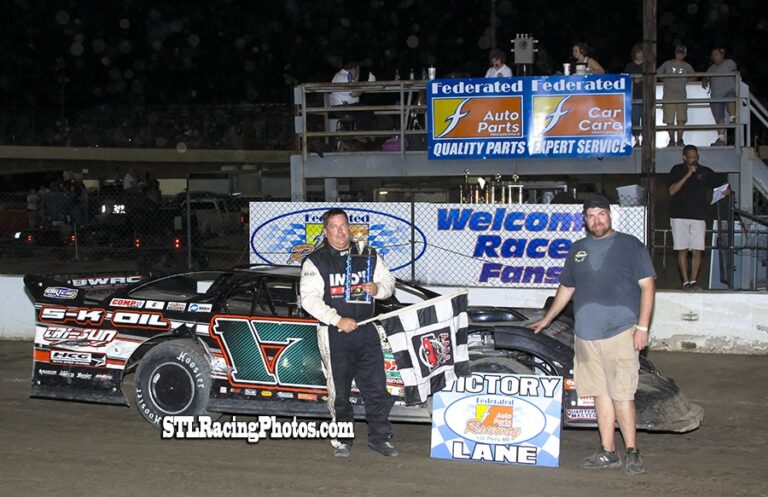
(358, 264)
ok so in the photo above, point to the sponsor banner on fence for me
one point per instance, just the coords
(511, 245)
(513, 419)
(285, 232)
(503, 118)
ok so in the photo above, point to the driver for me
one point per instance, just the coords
(339, 290)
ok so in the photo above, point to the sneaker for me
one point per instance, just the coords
(601, 459)
(384, 447)
(343, 450)
(635, 465)
(718, 143)
(693, 285)
(671, 144)
(680, 143)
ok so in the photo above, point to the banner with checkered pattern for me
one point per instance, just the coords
(510, 419)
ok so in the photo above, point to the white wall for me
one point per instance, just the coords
(713, 321)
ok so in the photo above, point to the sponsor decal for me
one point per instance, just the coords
(478, 117)
(83, 337)
(78, 358)
(222, 389)
(308, 396)
(266, 393)
(84, 376)
(176, 306)
(131, 303)
(200, 307)
(154, 304)
(251, 392)
(46, 372)
(581, 414)
(95, 317)
(57, 292)
(105, 281)
(285, 395)
(104, 377)
(585, 402)
(569, 384)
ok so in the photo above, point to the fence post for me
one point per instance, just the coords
(413, 241)
(189, 229)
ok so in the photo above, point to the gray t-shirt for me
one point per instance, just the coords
(722, 86)
(675, 87)
(605, 273)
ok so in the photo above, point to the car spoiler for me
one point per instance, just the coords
(75, 289)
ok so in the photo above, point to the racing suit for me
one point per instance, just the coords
(347, 356)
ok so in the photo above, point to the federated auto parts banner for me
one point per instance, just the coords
(447, 244)
(516, 118)
(513, 419)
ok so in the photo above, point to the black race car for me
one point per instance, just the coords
(238, 341)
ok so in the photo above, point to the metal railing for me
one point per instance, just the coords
(406, 99)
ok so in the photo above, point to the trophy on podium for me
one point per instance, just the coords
(353, 291)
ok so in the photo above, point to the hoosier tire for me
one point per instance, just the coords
(173, 379)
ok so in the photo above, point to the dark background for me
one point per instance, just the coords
(80, 54)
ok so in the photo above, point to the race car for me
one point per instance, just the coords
(238, 341)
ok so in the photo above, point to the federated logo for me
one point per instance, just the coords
(477, 117)
(291, 235)
(313, 236)
(494, 420)
(578, 115)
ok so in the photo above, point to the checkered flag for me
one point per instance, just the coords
(429, 341)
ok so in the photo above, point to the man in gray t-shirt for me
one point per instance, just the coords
(721, 85)
(611, 279)
(674, 89)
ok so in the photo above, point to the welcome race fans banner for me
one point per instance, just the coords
(506, 245)
(516, 118)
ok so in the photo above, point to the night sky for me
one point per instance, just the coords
(80, 54)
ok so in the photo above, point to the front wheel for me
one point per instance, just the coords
(173, 379)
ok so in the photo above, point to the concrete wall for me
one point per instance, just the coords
(712, 321)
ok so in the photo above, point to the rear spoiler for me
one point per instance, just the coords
(74, 289)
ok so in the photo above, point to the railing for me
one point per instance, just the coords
(317, 131)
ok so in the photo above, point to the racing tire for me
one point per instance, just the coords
(173, 379)
(501, 365)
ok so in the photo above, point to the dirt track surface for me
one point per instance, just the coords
(66, 448)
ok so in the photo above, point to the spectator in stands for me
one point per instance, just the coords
(349, 73)
(131, 180)
(33, 202)
(635, 66)
(674, 89)
(581, 55)
(721, 87)
(499, 68)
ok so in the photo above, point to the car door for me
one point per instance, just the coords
(268, 345)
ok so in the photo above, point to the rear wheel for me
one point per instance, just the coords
(173, 379)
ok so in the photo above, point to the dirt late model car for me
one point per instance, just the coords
(238, 341)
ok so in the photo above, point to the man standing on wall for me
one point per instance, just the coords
(611, 279)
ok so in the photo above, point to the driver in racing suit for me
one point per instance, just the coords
(349, 351)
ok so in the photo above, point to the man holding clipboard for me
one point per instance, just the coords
(688, 185)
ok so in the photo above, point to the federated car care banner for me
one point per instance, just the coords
(517, 118)
(505, 245)
(513, 419)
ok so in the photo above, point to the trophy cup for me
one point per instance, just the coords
(360, 263)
